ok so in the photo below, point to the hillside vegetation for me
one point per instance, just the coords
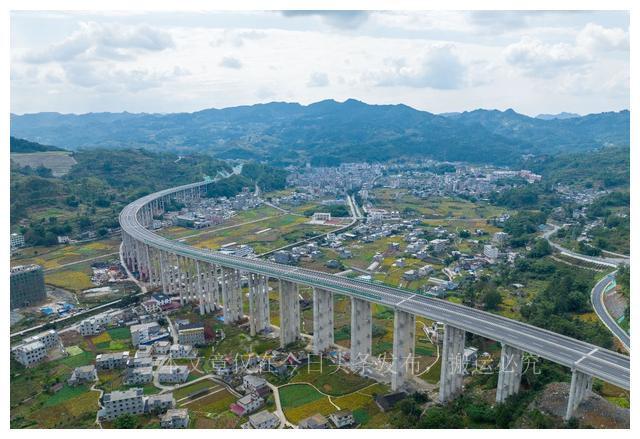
(91, 195)
(330, 132)
(23, 146)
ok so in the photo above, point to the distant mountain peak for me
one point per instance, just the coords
(562, 115)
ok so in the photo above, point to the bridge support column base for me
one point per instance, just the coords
(404, 333)
(510, 372)
(580, 384)
(452, 368)
(322, 320)
(360, 333)
(289, 313)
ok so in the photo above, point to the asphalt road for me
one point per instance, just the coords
(597, 300)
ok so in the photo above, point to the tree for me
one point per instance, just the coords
(492, 299)
(126, 421)
(438, 417)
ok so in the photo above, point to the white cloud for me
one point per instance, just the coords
(433, 60)
(231, 63)
(337, 19)
(537, 58)
(318, 79)
(102, 40)
(238, 38)
(439, 68)
(599, 38)
(105, 78)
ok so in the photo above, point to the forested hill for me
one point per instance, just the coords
(21, 146)
(92, 194)
(329, 132)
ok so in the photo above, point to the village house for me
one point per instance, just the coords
(83, 374)
(173, 374)
(139, 375)
(34, 349)
(316, 421)
(255, 384)
(114, 360)
(264, 419)
(160, 403)
(342, 418)
(191, 334)
(161, 347)
(182, 351)
(247, 404)
(175, 418)
(118, 403)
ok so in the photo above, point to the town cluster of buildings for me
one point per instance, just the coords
(422, 181)
(207, 212)
(333, 181)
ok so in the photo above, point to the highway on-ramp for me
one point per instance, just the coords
(597, 300)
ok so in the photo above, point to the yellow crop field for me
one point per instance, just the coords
(322, 406)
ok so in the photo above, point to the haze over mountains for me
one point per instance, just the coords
(329, 132)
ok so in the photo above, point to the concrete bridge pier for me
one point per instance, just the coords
(199, 288)
(262, 305)
(404, 338)
(452, 368)
(322, 320)
(360, 332)
(289, 313)
(231, 295)
(258, 303)
(580, 385)
(510, 372)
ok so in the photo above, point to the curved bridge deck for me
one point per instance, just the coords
(595, 361)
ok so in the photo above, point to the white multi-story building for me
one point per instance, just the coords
(250, 403)
(342, 418)
(139, 375)
(83, 374)
(173, 374)
(491, 252)
(175, 418)
(16, 240)
(161, 347)
(182, 351)
(321, 216)
(140, 362)
(191, 334)
(30, 354)
(90, 326)
(144, 332)
(264, 419)
(160, 403)
(439, 244)
(34, 349)
(112, 361)
(118, 403)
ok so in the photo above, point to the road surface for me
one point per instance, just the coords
(597, 300)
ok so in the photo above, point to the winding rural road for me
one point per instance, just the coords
(598, 291)
(597, 301)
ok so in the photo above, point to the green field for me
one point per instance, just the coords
(434, 207)
(56, 256)
(283, 230)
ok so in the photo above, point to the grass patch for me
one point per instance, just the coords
(119, 333)
(296, 395)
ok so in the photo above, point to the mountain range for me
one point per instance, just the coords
(330, 132)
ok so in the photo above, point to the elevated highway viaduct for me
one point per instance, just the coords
(212, 280)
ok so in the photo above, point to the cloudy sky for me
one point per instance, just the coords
(533, 62)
